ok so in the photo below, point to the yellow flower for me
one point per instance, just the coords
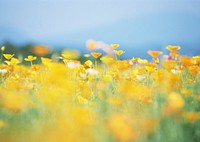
(107, 59)
(174, 54)
(134, 59)
(196, 59)
(8, 56)
(175, 101)
(96, 54)
(46, 61)
(2, 48)
(119, 52)
(114, 45)
(173, 48)
(150, 67)
(121, 127)
(12, 62)
(142, 61)
(30, 58)
(156, 60)
(88, 64)
(82, 100)
(70, 54)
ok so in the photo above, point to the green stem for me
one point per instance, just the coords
(95, 62)
(1, 57)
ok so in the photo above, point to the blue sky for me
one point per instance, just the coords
(40, 18)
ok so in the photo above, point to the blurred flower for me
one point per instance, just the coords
(174, 54)
(167, 57)
(73, 64)
(82, 100)
(175, 102)
(40, 50)
(135, 59)
(121, 127)
(107, 60)
(91, 44)
(3, 71)
(12, 62)
(70, 54)
(88, 64)
(191, 116)
(142, 61)
(2, 48)
(86, 55)
(196, 60)
(2, 124)
(176, 71)
(92, 71)
(46, 61)
(186, 61)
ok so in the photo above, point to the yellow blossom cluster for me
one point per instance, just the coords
(100, 99)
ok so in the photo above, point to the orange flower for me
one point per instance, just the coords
(96, 54)
(173, 48)
(192, 116)
(186, 61)
(154, 54)
(40, 50)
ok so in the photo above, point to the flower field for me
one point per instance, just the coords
(103, 98)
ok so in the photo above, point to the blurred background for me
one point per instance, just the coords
(137, 25)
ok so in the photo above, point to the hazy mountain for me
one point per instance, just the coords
(13, 35)
(136, 35)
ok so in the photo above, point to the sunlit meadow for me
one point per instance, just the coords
(100, 98)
